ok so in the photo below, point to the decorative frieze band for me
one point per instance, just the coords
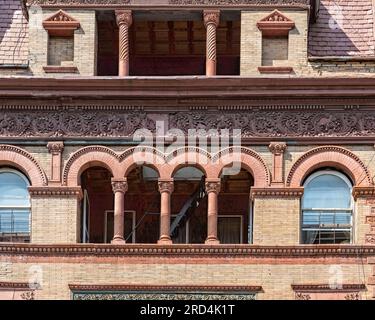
(363, 192)
(327, 287)
(192, 250)
(169, 3)
(161, 288)
(123, 123)
(276, 192)
(56, 192)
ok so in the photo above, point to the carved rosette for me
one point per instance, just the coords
(277, 148)
(119, 186)
(166, 186)
(213, 186)
(55, 147)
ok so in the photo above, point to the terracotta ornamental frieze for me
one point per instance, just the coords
(124, 123)
(151, 3)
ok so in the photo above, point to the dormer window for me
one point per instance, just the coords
(275, 30)
(60, 27)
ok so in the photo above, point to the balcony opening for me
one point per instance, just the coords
(235, 209)
(166, 43)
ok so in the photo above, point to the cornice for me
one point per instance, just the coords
(168, 4)
(217, 251)
(163, 288)
(187, 87)
(55, 191)
(327, 287)
(15, 285)
(363, 192)
(276, 192)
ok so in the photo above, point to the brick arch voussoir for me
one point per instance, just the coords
(147, 156)
(249, 159)
(88, 157)
(329, 156)
(22, 160)
(188, 157)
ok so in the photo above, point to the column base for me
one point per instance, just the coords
(165, 241)
(118, 241)
(212, 241)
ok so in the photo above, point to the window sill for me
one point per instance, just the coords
(60, 69)
(272, 69)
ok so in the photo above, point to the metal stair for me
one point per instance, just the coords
(188, 209)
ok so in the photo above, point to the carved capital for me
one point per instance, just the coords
(211, 17)
(55, 147)
(124, 17)
(119, 185)
(277, 147)
(213, 185)
(166, 186)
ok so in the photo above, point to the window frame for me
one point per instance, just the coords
(338, 227)
(28, 208)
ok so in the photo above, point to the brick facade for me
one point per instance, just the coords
(295, 120)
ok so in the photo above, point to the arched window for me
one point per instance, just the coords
(327, 208)
(14, 206)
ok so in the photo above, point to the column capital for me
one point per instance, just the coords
(119, 185)
(166, 185)
(277, 147)
(211, 17)
(124, 17)
(213, 185)
(55, 147)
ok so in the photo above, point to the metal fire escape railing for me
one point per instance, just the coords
(184, 214)
(188, 209)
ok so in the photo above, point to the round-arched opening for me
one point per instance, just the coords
(142, 206)
(327, 208)
(235, 220)
(15, 207)
(189, 206)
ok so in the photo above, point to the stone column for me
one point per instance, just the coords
(55, 148)
(119, 187)
(278, 149)
(212, 188)
(124, 21)
(211, 22)
(165, 188)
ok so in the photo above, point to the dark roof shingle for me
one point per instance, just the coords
(13, 34)
(344, 28)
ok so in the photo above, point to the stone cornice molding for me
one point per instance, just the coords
(182, 4)
(164, 288)
(14, 286)
(327, 287)
(60, 24)
(56, 192)
(363, 192)
(189, 250)
(276, 192)
(275, 24)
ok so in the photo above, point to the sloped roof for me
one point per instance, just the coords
(13, 34)
(344, 28)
